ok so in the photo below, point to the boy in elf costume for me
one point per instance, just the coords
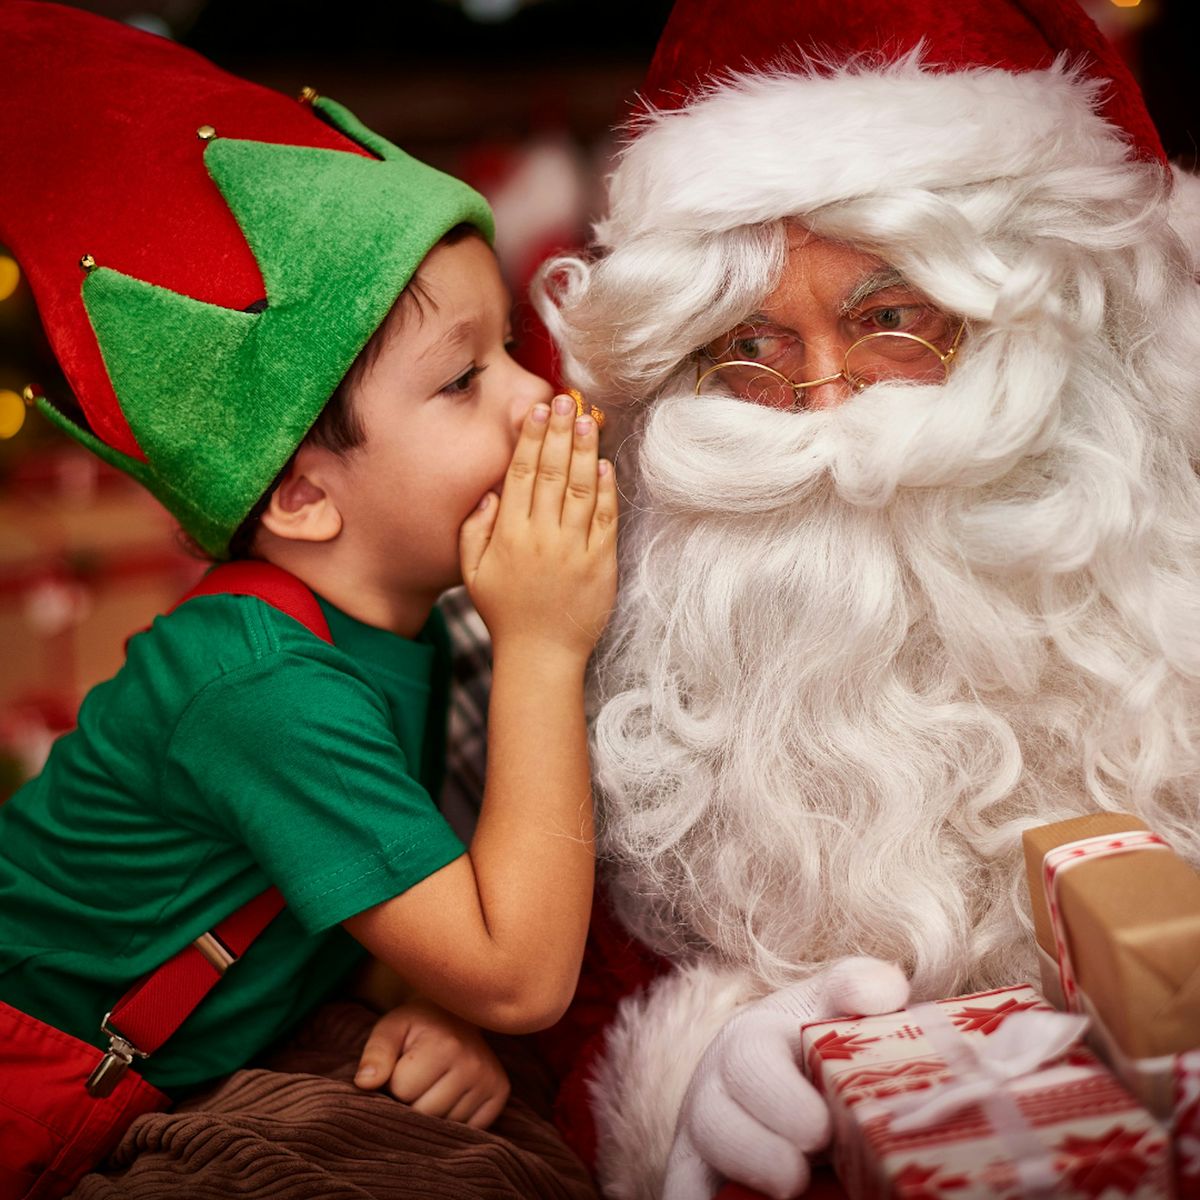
(253, 791)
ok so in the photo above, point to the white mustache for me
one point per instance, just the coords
(999, 405)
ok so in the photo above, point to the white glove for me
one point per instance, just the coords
(749, 1114)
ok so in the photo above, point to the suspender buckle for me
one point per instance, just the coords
(121, 1053)
(215, 952)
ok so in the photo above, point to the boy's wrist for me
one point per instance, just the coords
(559, 661)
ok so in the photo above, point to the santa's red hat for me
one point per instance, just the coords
(704, 40)
(754, 111)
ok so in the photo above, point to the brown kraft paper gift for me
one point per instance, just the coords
(1131, 923)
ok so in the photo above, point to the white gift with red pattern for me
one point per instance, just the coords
(1097, 1142)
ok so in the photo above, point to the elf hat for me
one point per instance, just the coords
(208, 256)
(776, 107)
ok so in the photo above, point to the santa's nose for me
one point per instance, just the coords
(827, 395)
(824, 363)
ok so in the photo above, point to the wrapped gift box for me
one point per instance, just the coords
(1128, 921)
(1117, 920)
(1066, 1129)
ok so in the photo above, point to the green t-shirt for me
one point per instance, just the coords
(233, 750)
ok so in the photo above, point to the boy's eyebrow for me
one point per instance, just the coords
(459, 332)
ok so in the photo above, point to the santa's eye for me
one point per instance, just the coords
(748, 347)
(917, 320)
(890, 318)
(751, 345)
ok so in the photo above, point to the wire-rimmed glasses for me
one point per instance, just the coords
(921, 354)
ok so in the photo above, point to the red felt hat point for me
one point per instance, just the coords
(102, 157)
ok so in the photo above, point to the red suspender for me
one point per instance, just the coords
(271, 584)
(158, 1004)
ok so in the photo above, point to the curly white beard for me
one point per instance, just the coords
(858, 651)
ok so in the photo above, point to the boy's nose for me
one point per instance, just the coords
(529, 389)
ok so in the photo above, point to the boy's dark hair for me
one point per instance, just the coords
(339, 428)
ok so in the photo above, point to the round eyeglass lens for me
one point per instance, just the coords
(749, 381)
(886, 357)
(769, 368)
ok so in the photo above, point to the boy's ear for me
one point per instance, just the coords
(302, 507)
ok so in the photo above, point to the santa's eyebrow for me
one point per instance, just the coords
(876, 281)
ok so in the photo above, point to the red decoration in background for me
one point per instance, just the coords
(29, 726)
(85, 534)
(538, 191)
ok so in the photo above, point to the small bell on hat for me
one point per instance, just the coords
(208, 256)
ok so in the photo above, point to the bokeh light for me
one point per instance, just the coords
(12, 413)
(10, 276)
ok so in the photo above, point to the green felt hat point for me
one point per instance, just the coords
(217, 399)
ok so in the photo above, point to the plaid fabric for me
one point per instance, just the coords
(471, 681)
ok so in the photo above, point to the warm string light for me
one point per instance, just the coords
(12, 413)
(12, 407)
(10, 276)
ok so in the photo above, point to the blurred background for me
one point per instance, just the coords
(518, 97)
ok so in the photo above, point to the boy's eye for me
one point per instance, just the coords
(462, 384)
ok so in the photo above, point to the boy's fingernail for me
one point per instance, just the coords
(541, 412)
(583, 426)
(563, 405)
(605, 466)
(365, 1075)
(485, 501)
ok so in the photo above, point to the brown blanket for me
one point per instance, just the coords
(297, 1128)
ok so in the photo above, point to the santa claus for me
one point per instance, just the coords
(901, 301)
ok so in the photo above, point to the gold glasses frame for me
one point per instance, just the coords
(945, 357)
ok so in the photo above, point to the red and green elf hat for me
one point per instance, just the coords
(208, 256)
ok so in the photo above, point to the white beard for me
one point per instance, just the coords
(858, 651)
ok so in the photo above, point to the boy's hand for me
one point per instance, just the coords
(435, 1062)
(541, 564)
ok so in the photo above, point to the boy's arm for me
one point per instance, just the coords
(497, 935)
